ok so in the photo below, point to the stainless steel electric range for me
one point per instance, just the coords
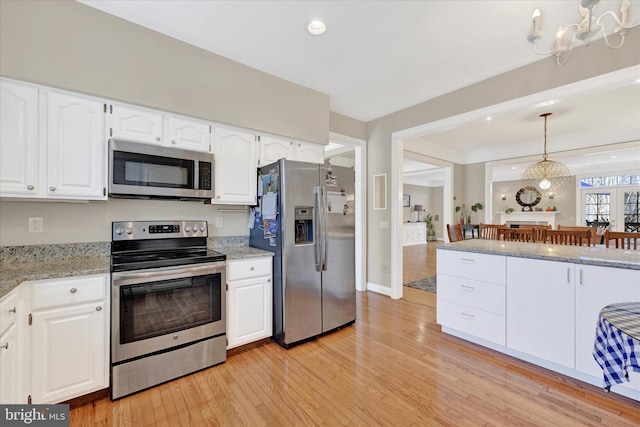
(167, 303)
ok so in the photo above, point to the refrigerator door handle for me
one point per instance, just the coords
(317, 230)
(325, 228)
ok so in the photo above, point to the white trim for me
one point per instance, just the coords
(379, 289)
(361, 205)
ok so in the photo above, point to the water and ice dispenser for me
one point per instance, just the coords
(304, 224)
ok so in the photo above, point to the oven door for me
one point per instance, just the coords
(158, 309)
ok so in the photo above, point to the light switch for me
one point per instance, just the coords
(36, 224)
(384, 225)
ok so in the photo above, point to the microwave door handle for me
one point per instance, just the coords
(196, 175)
(317, 244)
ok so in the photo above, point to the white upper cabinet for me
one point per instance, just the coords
(309, 152)
(18, 140)
(76, 148)
(273, 149)
(136, 124)
(235, 176)
(52, 144)
(189, 134)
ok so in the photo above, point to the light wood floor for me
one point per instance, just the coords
(393, 367)
(419, 261)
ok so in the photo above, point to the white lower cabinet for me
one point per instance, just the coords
(550, 311)
(540, 309)
(69, 337)
(11, 366)
(597, 287)
(414, 233)
(249, 300)
(471, 294)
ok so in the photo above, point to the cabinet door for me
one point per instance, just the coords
(309, 152)
(10, 368)
(189, 134)
(540, 310)
(274, 149)
(69, 352)
(19, 162)
(235, 168)
(136, 124)
(597, 287)
(76, 154)
(249, 305)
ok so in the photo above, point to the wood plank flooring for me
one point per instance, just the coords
(394, 367)
(419, 261)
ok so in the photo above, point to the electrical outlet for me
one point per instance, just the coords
(219, 222)
(36, 224)
(384, 225)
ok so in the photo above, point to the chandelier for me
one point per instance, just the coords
(551, 177)
(586, 30)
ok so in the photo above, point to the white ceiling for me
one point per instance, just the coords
(378, 57)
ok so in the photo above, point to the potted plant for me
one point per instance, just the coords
(465, 213)
(431, 232)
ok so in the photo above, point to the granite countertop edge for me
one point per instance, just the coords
(12, 274)
(597, 256)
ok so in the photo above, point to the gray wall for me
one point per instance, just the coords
(70, 46)
(586, 62)
(564, 202)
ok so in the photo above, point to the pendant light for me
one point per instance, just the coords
(548, 176)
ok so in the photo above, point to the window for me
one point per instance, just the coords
(631, 211)
(597, 209)
(611, 201)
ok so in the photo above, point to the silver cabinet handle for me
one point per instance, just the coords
(13, 310)
(467, 315)
(73, 290)
(30, 187)
(5, 346)
(568, 275)
(99, 308)
(157, 138)
(52, 188)
(581, 276)
(173, 141)
(468, 287)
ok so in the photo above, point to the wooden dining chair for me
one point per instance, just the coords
(455, 232)
(568, 237)
(623, 239)
(489, 231)
(538, 231)
(518, 234)
(591, 230)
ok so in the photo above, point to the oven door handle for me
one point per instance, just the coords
(123, 278)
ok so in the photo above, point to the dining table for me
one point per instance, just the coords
(617, 343)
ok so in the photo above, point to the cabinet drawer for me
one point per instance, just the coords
(483, 295)
(51, 293)
(247, 268)
(469, 265)
(470, 320)
(8, 311)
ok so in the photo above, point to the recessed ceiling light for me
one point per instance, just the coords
(489, 118)
(316, 27)
(614, 157)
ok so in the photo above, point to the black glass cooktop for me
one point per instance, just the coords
(127, 261)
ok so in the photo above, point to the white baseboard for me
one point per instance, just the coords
(379, 289)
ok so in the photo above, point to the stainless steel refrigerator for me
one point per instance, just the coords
(306, 217)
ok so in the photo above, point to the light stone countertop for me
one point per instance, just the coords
(15, 271)
(599, 255)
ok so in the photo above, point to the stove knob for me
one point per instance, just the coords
(187, 228)
(195, 228)
(202, 228)
(129, 230)
(119, 231)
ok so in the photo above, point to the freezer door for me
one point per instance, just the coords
(302, 308)
(339, 279)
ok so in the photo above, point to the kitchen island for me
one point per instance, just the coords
(534, 301)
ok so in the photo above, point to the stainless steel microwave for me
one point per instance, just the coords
(149, 171)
